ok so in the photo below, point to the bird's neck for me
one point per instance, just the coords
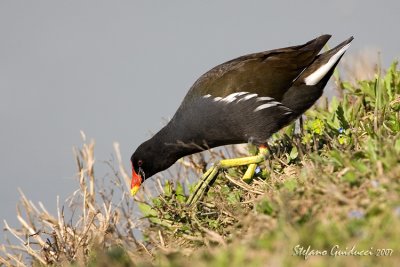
(171, 142)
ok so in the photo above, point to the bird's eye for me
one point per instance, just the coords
(140, 163)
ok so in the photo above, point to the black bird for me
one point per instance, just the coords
(246, 99)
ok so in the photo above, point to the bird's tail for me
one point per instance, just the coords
(321, 69)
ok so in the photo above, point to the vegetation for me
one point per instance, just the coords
(334, 189)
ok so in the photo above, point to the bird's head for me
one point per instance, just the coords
(147, 160)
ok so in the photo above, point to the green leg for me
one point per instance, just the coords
(210, 174)
(201, 187)
(248, 175)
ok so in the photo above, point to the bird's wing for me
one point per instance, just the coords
(269, 73)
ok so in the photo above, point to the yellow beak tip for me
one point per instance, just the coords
(134, 190)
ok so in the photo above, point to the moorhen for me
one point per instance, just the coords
(246, 99)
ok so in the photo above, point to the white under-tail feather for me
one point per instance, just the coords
(320, 73)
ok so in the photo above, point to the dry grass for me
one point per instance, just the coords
(95, 221)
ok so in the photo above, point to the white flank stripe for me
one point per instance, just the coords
(242, 93)
(232, 97)
(264, 98)
(285, 108)
(317, 75)
(268, 105)
(229, 98)
(247, 97)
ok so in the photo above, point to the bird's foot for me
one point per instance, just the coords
(209, 176)
(205, 181)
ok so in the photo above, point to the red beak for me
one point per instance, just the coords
(136, 182)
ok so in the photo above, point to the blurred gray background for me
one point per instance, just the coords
(115, 69)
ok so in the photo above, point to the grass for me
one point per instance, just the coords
(333, 190)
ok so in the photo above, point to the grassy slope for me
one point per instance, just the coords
(338, 184)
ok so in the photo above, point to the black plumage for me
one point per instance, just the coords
(245, 99)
